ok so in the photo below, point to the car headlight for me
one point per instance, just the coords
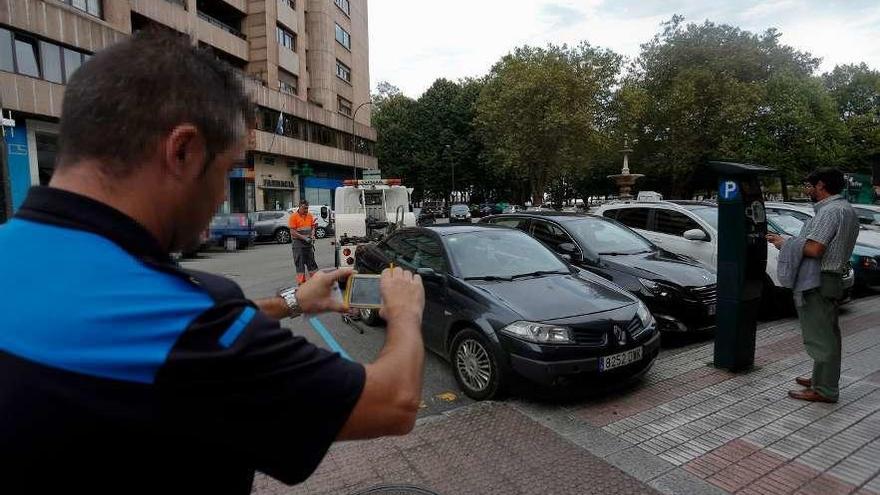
(539, 332)
(645, 315)
(654, 288)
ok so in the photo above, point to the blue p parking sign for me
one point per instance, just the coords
(728, 190)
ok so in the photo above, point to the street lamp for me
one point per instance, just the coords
(354, 139)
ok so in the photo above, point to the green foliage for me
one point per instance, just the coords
(553, 119)
(543, 111)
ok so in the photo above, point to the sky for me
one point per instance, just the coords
(414, 42)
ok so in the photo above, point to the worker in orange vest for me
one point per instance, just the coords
(302, 238)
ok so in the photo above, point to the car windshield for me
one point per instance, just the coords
(789, 224)
(459, 209)
(709, 214)
(500, 253)
(605, 237)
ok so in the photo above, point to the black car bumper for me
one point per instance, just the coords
(554, 372)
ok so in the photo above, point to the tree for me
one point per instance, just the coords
(707, 91)
(393, 119)
(856, 92)
(542, 111)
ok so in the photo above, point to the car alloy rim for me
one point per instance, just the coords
(366, 314)
(320, 233)
(474, 367)
(284, 236)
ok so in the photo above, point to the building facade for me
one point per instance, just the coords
(307, 69)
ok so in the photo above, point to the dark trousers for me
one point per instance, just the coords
(819, 323)
(304, 260)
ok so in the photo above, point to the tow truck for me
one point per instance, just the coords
(368, 210)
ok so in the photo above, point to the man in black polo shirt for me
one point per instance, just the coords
(120, 372)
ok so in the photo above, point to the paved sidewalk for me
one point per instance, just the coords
(688, 428)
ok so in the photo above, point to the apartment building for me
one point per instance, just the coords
(307, 68)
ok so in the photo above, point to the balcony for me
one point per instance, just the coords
(287, 16)
(288, 60)
(221, 25)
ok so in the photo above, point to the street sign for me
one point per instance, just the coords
(728, 190)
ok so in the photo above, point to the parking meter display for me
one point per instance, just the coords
(362, 291)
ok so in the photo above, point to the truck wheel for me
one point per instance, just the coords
(282, 236)
(320, 232)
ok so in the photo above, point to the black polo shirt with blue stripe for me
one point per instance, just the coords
(121, 372)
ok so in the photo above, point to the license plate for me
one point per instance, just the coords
(711, 309)
(620, 359)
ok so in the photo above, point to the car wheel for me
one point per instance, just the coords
(475, 366)
(370, 316)
(282, 236)
(320, 233)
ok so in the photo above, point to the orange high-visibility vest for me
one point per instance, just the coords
(302, 224)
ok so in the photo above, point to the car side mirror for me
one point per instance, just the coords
(695, 235)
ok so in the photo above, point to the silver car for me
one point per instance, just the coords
(271, 225)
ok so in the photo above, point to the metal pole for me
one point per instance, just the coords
(354, 138)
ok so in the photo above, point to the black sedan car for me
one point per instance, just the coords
(680, 292)
(501, 306)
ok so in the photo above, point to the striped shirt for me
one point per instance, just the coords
(835, 226)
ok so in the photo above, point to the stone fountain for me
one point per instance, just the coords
(625, 180)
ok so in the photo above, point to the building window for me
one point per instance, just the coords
(288, 83)
(343, 72)
(6, 62)
(26, 56)
(37, 58)
(344, 106)
(72, 61)
(92, 7)
(289, 3)
(344, 6)
(286, 38)
(50, 58)
(343, 37)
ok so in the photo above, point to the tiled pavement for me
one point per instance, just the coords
(688, 428)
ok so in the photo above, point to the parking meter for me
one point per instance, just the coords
(742, 262)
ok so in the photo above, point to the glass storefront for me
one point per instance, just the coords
(277, 199)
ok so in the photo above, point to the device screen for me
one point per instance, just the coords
(363, 291)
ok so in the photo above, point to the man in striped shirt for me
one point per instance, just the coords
(831, 236)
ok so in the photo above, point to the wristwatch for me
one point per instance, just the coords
(289, 296)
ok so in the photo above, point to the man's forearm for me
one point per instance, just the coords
(274, 306)
(403, 355)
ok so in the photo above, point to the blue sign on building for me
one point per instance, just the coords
(19, 163)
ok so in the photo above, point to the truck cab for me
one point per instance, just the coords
(366, 211)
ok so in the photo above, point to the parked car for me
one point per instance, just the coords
(483, 210)
(234, 227)
(680, 292)
(500, 306)
(459, 213)
(788, 219)
(690, 228)
(869, 215)
(512, 209)
(271, 225)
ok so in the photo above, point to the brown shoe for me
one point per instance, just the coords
(804, 382)
(809, 395)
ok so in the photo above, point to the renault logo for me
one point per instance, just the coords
(620, 335)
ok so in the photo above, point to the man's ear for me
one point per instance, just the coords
(185, 151)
